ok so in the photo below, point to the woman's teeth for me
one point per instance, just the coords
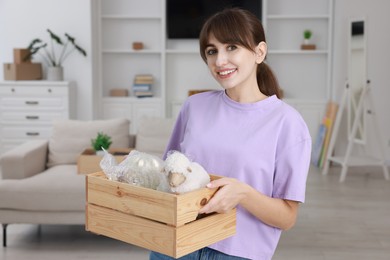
(226, 72)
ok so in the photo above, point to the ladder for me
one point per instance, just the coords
(348, 159)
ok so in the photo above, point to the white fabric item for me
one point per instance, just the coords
(71, 137)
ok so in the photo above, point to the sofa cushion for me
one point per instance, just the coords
(57, 189)
(153, 135)
(69, 138)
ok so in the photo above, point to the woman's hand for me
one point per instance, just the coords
(275, 212)
(230, 193)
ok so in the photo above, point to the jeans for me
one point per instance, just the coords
(202, 254)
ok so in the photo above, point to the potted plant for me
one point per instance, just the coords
(306, 36)
(51, 57)
(101, 141)
(307, 45)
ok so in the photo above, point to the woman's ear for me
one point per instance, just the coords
(261, 52)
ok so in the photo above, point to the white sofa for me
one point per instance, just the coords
(40, 184)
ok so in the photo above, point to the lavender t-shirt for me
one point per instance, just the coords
(264, 144)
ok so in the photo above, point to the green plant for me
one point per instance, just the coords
(307, 34)
(101, 141)
(49, 56)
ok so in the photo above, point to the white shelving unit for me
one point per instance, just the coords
(177, 66)
(303, 74)
(119, 24)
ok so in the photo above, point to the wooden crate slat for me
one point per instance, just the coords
(131, 229)
(204, 232)
(131, 199)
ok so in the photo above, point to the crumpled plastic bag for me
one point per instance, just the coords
(138, 168)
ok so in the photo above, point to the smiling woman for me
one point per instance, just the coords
(245, 133)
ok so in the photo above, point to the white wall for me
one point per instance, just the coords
(376, 13)
(23, 20)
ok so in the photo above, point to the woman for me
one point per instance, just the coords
(247, 134)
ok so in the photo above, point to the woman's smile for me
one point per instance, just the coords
(226, 73)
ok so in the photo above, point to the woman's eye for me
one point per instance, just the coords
(211, 52)
(231, 47)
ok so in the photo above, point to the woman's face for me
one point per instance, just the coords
(232, 65)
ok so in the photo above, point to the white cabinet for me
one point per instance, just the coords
(27, 109)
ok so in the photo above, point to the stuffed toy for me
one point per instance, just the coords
(184, 175)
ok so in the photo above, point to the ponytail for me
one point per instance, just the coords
(266, 79)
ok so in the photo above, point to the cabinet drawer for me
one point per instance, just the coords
(26, 90)
(31, 102)
(15, 132)
(31, 116)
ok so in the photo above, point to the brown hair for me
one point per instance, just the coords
(240, 27)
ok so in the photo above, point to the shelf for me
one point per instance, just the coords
(124, 51)
(129, 17)
(131, 99)
(171, 51)
(298, 52)
(298, 17)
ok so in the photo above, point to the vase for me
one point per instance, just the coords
(55, 73)
(100, 153)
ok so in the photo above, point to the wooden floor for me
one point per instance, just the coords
(349, 220)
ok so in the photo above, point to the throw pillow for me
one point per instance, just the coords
(70, 138)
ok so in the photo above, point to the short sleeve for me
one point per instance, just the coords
(291, 171)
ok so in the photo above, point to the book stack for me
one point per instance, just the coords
(143, 85)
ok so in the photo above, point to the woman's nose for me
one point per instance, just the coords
(221, 59)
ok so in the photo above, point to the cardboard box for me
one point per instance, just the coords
(158, 221)
(138, 45)
(22, 71)
(89, 162)
(119, 92)
(20, 55)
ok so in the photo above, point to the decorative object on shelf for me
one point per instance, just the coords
(21, 56)
(102, 141)
(55, 70)
(196, 91)
(142, 86)
(119, 92)
(22, 68)
(307, 45)
(138, 45)
(55, 73)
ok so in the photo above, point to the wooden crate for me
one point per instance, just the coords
(158, 221)
(89, 162)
